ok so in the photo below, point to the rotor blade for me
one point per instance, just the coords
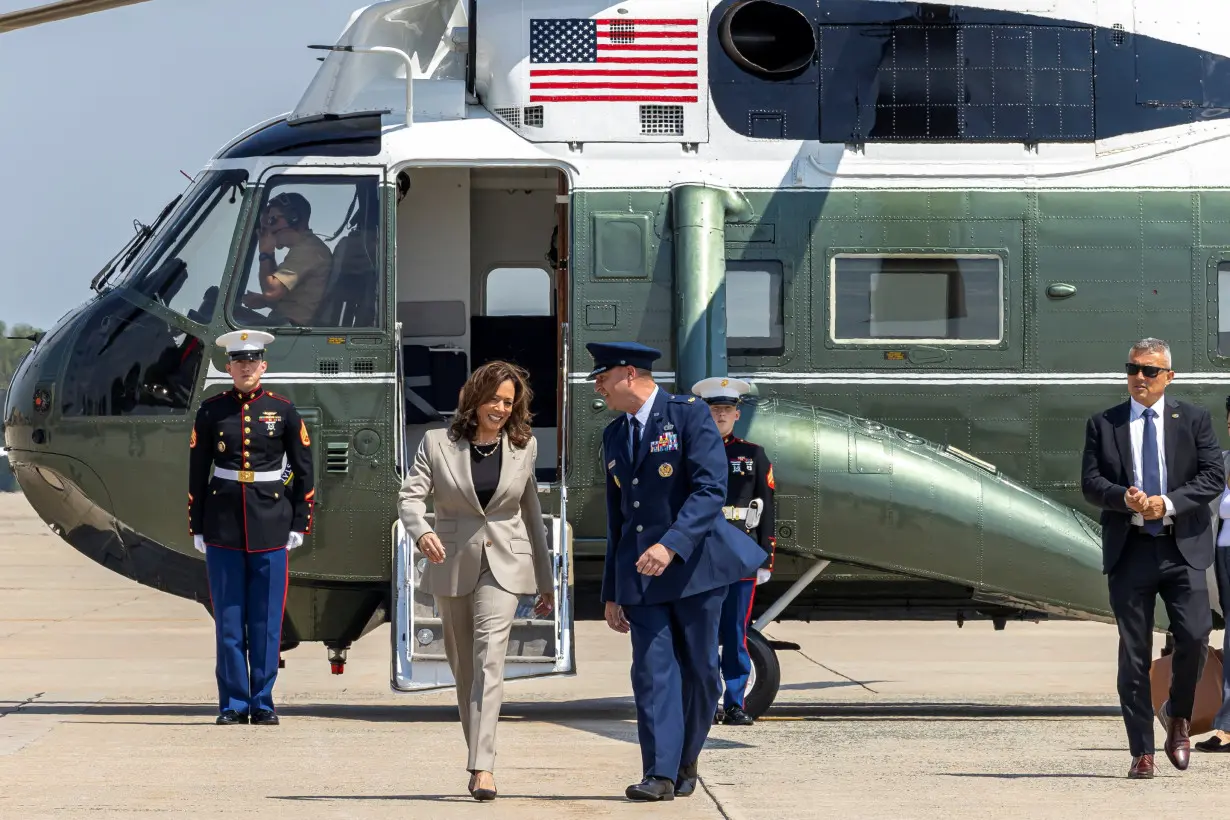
(62, 10)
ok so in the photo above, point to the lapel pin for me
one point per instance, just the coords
(1174, 415)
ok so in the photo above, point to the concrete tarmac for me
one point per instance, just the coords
(107, 701)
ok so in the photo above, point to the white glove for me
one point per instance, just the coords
(295, 539)
(762, 575)
(198, 541)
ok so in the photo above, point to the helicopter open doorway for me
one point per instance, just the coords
(481, 274)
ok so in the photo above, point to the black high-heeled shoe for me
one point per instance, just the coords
(482, 795)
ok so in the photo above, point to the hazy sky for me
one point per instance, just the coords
(99, 114)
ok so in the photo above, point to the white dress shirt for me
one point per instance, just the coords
(642, 416)
(1137, 429)
(1223, 512)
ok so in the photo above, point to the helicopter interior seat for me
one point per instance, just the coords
(531, 342)
(433, 377)
(350, 293)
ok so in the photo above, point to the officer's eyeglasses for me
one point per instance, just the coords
(1151, 371)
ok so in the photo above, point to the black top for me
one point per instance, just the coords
(485, 471)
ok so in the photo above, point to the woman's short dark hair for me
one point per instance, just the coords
(480, 388)
(1228, 405)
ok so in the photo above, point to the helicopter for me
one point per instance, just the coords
(925, 233)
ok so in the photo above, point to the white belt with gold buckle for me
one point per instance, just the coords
(735, 513)
(248, 476)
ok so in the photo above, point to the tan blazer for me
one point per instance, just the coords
(511, 529)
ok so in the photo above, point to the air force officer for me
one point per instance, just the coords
(670, 559)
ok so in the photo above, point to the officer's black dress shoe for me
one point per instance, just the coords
(735, 716)
(264, 717)
(230, 717)
(685, 784)
(652, 788)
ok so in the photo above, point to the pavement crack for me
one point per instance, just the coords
(716, 803)
(830, 669)
(838, 674)
(21, 705)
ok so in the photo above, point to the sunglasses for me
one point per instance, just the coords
(1150, 370)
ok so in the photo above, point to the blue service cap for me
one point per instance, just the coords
(617, 354)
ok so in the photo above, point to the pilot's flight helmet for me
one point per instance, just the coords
(294, 207)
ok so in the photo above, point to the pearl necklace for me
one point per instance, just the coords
(492, 444)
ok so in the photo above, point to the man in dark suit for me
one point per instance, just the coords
(1152, 465)
(670, 559)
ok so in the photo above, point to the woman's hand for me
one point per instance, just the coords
(545, 603)
(432, 549)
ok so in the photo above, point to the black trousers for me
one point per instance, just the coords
(1150, 567)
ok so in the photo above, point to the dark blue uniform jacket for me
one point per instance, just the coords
(672, 494)
(249, 431)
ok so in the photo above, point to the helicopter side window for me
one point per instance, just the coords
(899, 298)
(754, 324)
(316, 257)
(185, 268)
(128, 362)
(1223, 309)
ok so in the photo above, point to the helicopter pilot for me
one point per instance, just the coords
(294, 289)
(245, 517)
(749, 508)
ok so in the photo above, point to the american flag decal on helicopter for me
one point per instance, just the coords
(650, 60)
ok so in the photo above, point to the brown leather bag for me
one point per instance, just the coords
(1208, 689)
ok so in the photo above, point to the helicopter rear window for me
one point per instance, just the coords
(913, 298)
(1223, 309)
(128, 362)
(189, 260)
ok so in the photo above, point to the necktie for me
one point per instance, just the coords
(1151, 474)
(636, 438)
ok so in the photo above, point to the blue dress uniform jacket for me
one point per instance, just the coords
(249, 432)
(672, 494)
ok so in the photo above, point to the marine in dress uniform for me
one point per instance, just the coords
(670, 558)
(245, 517)
(749, 507)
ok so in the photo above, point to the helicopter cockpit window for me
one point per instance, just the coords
(189, 259)
(128, 362)
(316, 256)
(952, 299)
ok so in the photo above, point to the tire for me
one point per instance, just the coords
(8, 482)
(766, 677)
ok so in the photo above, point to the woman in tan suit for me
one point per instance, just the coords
(488, 545)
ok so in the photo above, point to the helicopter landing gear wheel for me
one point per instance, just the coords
(765, 678)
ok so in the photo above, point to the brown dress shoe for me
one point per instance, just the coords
(1142, 767)
(1178, 746)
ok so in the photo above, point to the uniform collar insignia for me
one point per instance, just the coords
(245, 397)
